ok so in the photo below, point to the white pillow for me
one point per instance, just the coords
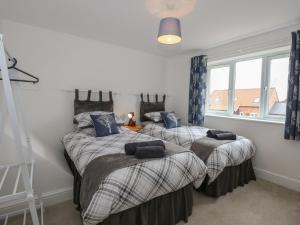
(84, 119)
(154, 116)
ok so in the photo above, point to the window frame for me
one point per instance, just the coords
(267, 86)
(264, 85)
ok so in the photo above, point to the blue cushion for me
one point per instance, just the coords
(170, 120)
(105, 124)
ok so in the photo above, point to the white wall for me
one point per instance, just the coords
(64, 62)
(277, 159)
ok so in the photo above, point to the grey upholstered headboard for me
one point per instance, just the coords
(87, 105)
(148, 106)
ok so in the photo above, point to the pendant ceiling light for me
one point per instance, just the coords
(169, 31)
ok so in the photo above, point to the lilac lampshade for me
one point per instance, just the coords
(169, 31)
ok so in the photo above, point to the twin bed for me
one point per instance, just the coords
(228, 162)
(113, 188)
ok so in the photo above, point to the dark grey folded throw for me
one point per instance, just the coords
(213, 133)
(150, 152)
(221, 135)
(226, 136)
(130, 148)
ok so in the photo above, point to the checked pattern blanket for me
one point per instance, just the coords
(130, 186)
(230, 154)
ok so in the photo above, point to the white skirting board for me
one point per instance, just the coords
(279, 179)
(57, 196)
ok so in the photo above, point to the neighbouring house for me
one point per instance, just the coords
(246, 101)
(279, 108)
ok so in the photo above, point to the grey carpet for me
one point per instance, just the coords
(258, 203)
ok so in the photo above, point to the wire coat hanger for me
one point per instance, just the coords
(13, 66)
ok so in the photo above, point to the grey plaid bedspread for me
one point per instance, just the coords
(229, 154)
(130, 186)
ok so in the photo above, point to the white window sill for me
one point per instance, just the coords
(270, 121)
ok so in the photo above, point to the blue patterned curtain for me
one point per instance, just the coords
(197, 90)
(292, 122)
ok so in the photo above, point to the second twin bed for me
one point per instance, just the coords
(228, 162)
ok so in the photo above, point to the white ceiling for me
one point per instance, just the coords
(129, 23)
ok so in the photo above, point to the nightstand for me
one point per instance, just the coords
(135, 128)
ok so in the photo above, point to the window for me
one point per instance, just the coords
(279, 71)
(253, 88)
(247, 87)
(218, 89)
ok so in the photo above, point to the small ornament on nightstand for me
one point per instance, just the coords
(131, 121)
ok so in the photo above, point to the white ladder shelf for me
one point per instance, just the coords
(25, 165)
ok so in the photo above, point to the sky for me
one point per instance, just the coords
(279, 76)
(248, 75)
